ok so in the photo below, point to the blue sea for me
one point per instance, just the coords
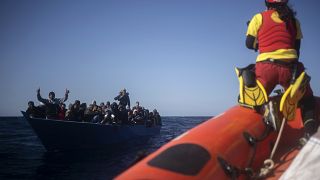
(22, 155)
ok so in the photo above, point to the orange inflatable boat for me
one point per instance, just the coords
(232, 145)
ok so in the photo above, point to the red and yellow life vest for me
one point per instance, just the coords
(275, 35)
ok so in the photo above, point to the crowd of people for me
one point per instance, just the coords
(105, 113)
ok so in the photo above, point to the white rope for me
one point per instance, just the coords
(278, 138)
(269, 163)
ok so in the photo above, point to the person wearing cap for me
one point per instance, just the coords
(52, 103)
(277, 35)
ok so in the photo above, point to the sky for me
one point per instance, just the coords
(177, 56)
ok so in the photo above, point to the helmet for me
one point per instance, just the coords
(276, 1)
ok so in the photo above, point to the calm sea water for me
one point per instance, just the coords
(22, 155)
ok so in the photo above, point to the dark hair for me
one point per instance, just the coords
(52, 94)
(286, 13)
(77, 102)
(31, 103)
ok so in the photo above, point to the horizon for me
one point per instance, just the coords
(174, 56)
(161, 116)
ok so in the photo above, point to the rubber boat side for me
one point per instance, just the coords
(202, 152)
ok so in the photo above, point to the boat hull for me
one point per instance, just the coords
(69, 135)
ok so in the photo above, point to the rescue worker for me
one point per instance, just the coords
(276, 34)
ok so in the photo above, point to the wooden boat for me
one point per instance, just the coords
(61, 135)
(232, 145)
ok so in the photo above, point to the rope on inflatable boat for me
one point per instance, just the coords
(269, 163)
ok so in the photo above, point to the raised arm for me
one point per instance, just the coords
(117, 98)
(65, 98)
(44, 101)
(128, 100)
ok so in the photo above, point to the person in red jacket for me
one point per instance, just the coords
(277, 35)
(62, 111)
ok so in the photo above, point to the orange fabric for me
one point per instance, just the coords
(223, 136)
